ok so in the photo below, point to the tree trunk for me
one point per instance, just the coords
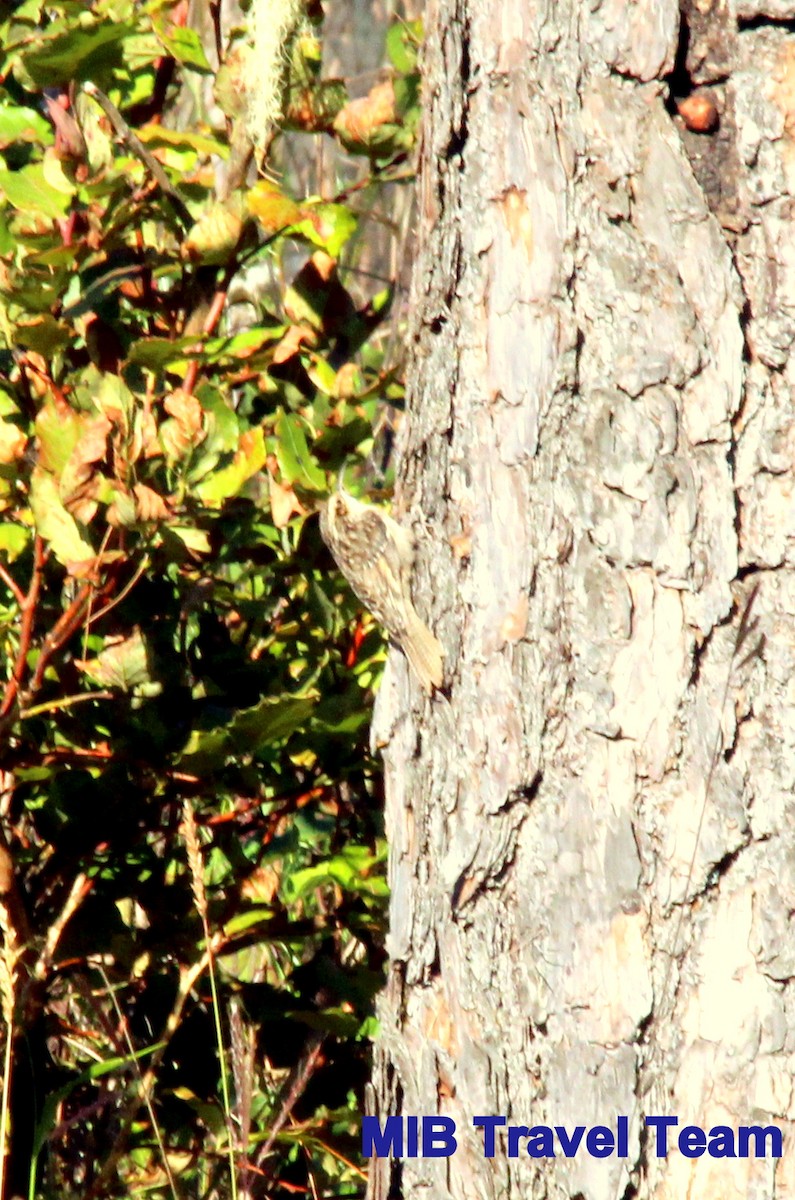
(591, 831)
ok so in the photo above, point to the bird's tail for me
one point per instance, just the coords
(424, 652)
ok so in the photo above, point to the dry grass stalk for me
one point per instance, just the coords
(9, 956)
(190, 832)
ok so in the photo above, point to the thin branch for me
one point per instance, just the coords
(140, 151)
(29, 604)
(12, 585)
(61, 631)
(81, 887)
(215, 13)
(295, 1088)
(125, 591)
(210, 322)
(64, 702)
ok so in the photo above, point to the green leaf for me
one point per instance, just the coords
(349, 870)
(58, 429)
(183, 45)
(250, 919)
(403, 44)
(328, 226)
(323, 375)
(9, 406)
(122, 664)
(270, 721)
(21, 124)
(112, 397)
(73, 53)
(242, 346)
(183, 139)
(54, 523)
(13, 540)
(158, 353)
(7, 239)
(44, 334)
(407, 102)
(295, 461)
(223, 432)
(249, 458)
(29, 191)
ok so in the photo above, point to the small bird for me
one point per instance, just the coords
(376, 556)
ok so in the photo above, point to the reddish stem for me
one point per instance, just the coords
(61, 631)
(210, 322)
(29, 604)
(12, 585)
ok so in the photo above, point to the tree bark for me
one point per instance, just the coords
(591, 832)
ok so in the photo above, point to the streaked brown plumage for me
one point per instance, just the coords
(376, 556)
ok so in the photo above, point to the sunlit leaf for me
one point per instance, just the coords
(158, 352)
(29, 191)
(55, 524)
(14, 539)
(58, 429)
(249, 458)
(13, 441)
(403, 44)
(21, 124)
(158, 135)
(328, 226)
(284, 503)
(195, 540)
(122, 664)
(184, 45)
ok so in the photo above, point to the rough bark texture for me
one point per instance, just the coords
(592, 852)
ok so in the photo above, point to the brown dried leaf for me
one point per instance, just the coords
(358, 120)
(149, 504)
(12, 442)
(186, 410)
(290, 345)
(284, 503)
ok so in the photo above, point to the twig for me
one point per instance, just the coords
(81, 886)
(210, 321)
(29, 604)
(293, 1091)
(140, 151)
(64, 702)
(12, 585)
(61, 631)
(215, 13)
(125, 591)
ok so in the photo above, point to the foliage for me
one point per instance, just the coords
(184, 775)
